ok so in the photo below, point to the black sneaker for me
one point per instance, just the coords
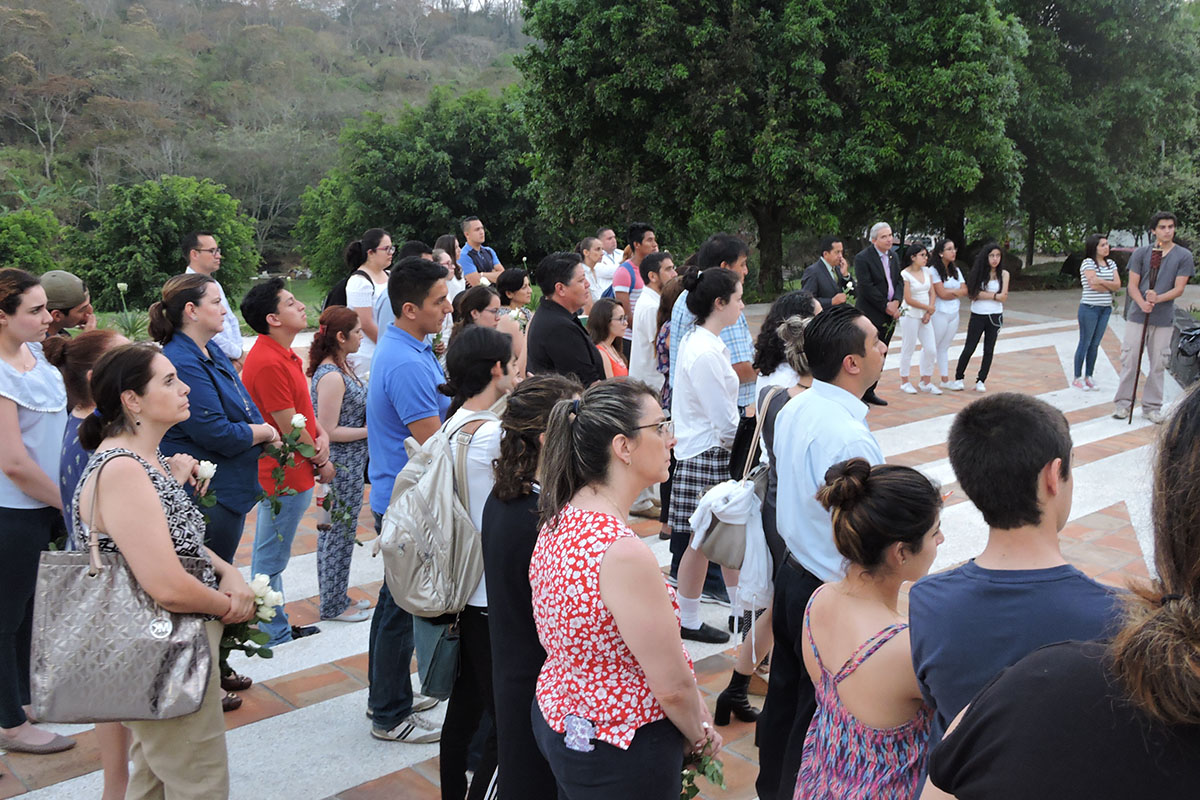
(300, 631)
(705, 633)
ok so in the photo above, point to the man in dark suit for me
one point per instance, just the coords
(824, 279)
(880, 289)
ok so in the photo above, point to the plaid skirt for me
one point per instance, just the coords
(693, 477)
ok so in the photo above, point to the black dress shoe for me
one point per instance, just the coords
(874, 399)
(300, 631)
(705, 633)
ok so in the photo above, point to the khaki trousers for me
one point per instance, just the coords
(183, 758)
(1158, 353)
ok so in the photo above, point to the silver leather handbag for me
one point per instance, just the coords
(103, 650)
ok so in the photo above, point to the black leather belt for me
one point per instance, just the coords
(795, 564)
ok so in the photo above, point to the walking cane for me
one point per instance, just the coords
(1155, 262)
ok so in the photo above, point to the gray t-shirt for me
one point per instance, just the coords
(1177, 262)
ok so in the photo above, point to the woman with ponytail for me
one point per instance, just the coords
(368, 259)
(33, 416)
(1102, 720)
(135, 501)
(870, 734)
(617, 703)
(340, 401)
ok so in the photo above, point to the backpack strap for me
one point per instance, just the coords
(758, 426)
(462, 438)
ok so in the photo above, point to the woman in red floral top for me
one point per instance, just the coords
(618, 699)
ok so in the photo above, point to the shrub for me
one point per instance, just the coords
(29, 239)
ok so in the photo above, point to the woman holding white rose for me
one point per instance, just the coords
(135, 502)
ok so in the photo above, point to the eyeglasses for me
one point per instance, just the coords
(499, 312)
(665, 428)
(216, 251)
(391, 248)
(619, 319)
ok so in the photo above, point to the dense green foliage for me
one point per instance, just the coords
(419, 176)
(29, 239)
(136, 240)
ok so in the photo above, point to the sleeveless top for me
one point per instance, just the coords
(185, 521)
(919, 289)
(590, 679)
(353, 413)
(988, 306)
(847, 760)
(619, 368)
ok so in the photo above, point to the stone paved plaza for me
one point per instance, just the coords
(301, 733)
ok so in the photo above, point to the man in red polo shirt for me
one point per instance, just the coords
(274, 376)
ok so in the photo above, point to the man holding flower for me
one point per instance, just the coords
(274, 376)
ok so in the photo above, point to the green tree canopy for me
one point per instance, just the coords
(28, 238)
(780, 110)
(418, 176)
(136, 241)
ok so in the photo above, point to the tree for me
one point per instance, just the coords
(418, 176)
(44, 108)
(136, 239)
(28, 238)
(773, 109)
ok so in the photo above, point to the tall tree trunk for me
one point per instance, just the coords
(955, 227)
(770, 248)
(1030, 240)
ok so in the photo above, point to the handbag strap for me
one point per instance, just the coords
(758, 426)
(93, 535)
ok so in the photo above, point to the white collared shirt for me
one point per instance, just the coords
(606, 268)
(815, 430)
(704, 404)
(643, 362)
(230, 337)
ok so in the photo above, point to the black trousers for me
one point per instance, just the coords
(664, 492)
(649, 770)
(470, 697)
(987, 326)
(886, 331)
(24, 534)
(791, 698)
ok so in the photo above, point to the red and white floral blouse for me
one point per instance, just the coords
(589, 671)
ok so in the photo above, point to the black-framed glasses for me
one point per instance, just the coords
(216, 251)
(665, 428)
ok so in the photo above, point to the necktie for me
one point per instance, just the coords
(887, 273)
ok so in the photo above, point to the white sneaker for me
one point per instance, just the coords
(929, 388)
(1079, 384)
(954, 386)
(907, 388)
(1154, 415)
(414, 729)
(423, 702)
(979, 387)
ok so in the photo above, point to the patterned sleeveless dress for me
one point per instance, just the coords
(847, 760)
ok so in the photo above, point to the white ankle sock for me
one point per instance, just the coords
(689, 611)
(733, 599)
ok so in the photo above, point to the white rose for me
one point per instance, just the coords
(298, 420)
(273, 598)
(260, 584)
(265, 613)
(122, 287)
(205, 470)
(484, 281)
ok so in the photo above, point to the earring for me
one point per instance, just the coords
(137, 421)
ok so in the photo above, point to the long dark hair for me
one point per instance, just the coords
(981, 270)
(449, 243)
(334, 320)
(579, 435)
(74, 357)
(600, 320)
(523, 422)
(119, 370)
(355, 254)
(477, 298)
(666, 303)
(768, 347)
(14, 283)
(1091, 243)
(938, 263)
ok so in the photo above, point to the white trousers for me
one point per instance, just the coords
(912, 330)
(945, 325)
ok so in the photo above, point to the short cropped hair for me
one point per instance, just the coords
(828, 242)
(260, 301)
(411, 281)
(830, 337)
(556, 268)
(998, 446)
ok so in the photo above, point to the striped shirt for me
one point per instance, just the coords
(1097, 297)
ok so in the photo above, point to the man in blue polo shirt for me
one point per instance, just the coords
(477, 259)
(402, 401)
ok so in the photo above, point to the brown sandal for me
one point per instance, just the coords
(231, 702)
(236, 683)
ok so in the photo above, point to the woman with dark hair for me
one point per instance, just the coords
(479, 305)
(705, 411)
(987, 286)
(662, 357)
(606, 325)
(515, 295)
(1129, 706)
(480, 371)
(915, 313)
(145, 514)
(870, 734)
(617, 701)
(599, 275)
(33, 416)
(1099, 276)
(340, 401)
(448, 243)
(508, 534)
(368, 259)
(770, 362)
(949, 288)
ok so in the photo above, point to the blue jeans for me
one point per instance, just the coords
(1093, 322)
(223, 533)
(273, 537)
(389, 659)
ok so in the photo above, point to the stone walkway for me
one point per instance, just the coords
(301, 734)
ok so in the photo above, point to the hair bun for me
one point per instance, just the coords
(845, 484)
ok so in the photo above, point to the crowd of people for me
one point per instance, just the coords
(1013, 674)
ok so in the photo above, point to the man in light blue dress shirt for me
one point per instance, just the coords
(818, 428)
(204, 256)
